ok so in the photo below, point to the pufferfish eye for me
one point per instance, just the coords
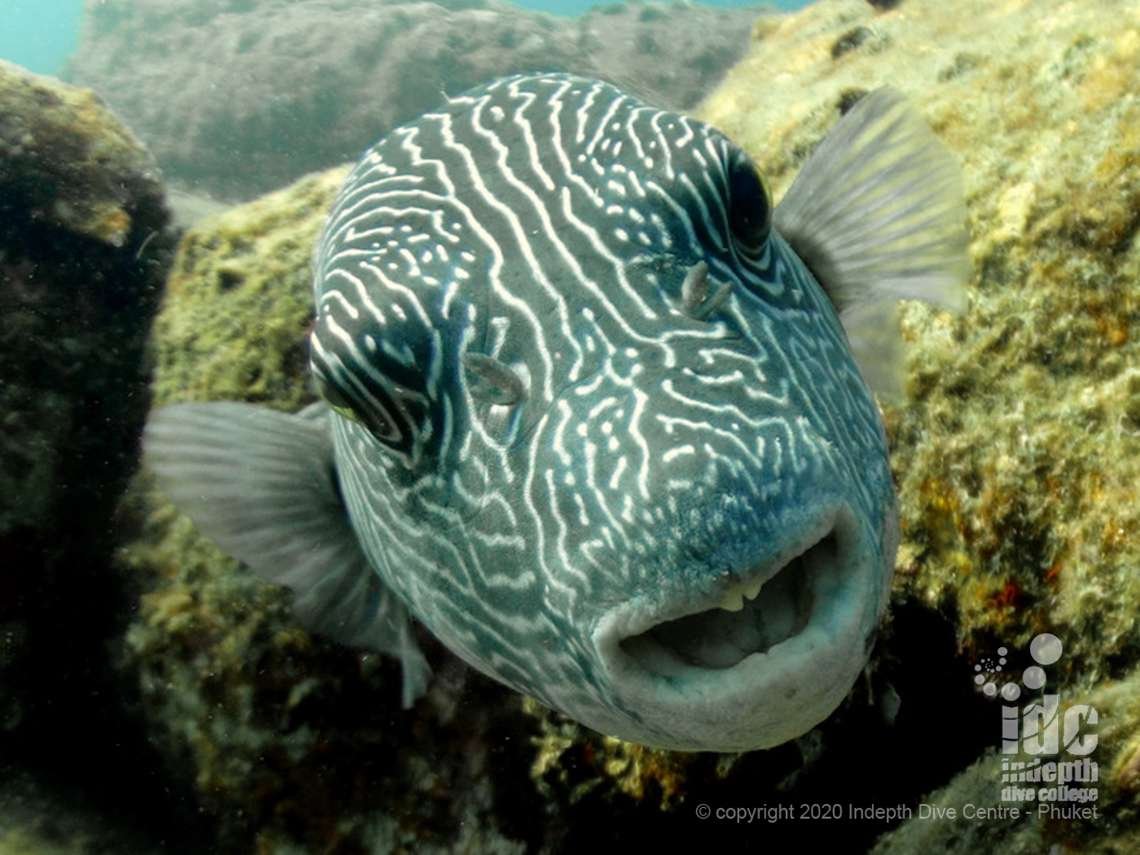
(382, 428)
(749, 211)
(337, 402)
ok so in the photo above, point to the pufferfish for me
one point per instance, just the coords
(595, 413)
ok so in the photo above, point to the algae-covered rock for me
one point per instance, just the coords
(82, 258)
(1017, 449)
(969, 814)
(239, 301)
(83, 254)
(291, 742)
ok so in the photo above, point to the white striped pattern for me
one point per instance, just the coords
(548, 221)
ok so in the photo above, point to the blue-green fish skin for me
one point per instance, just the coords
(594, 421)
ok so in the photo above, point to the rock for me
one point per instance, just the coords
(982, 822)
(84, 251)
(238, 98)
(290, 740)
(36, 818)
(1016, 453)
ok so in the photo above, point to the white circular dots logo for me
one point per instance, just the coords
(1044, 649)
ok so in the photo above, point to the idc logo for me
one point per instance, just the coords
(1045, 746)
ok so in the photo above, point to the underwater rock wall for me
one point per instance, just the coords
(1016, 450)
(84, 252)
(239, 98)
(83, 256)
(1017, 447)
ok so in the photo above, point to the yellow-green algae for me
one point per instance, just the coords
(1016, 450)
(239, 301)
(293, 743)
(630, 769)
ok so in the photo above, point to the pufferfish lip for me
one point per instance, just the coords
(690, 664)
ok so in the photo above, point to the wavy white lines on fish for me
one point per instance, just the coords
(678, 451)
(524, 242)
(334, 295)
(703, 406)
(603, 124)
(719, 220)
(494, 498)
(733, 378)
(665, 146)
(617, 314)
(520, 305)
(347, 220)
(560, 533)
(392, 534)
(528, 98)
(713, 227)
(332, 366)
(528, 494)
(794, 373)
(385, 183)
(615, 478)
(558, 443)
(596, 243)
(399, 288)
(680, 213)
(631, 134)
(702, 428)
(583, 111)
(361, 293)
(494, 271)
(638, 190)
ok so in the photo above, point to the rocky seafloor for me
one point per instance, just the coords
(1016, 451)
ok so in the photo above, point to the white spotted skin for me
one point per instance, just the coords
(548, 221)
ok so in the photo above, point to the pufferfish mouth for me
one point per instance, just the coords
(786, 622)
(769, 606)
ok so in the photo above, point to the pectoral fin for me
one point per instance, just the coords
(263, 486)
(878, 213)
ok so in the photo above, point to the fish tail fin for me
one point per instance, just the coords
(263, 486)
(878, 213)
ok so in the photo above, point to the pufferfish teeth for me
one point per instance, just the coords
(751, 591)
(734, 597)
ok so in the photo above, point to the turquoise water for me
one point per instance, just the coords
(41, 34)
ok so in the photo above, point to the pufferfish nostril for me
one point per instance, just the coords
(492, 380)
(696, 302)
